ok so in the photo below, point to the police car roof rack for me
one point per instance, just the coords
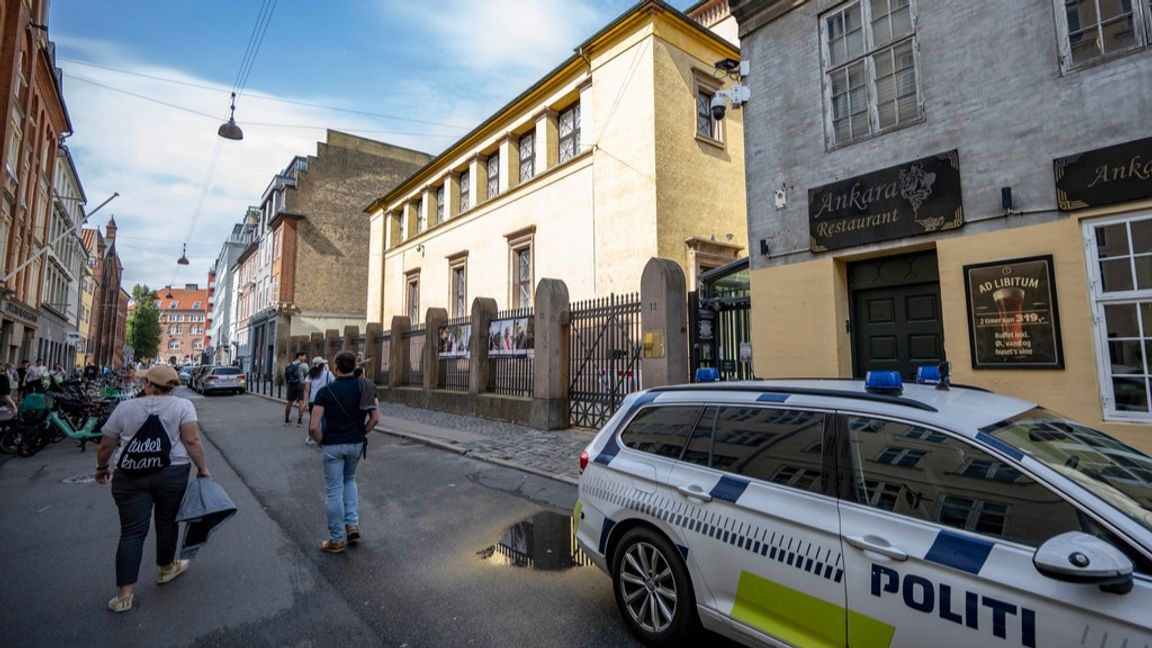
(802, 391)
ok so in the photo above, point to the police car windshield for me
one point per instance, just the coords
(1113, 471)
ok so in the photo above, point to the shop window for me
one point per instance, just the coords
(1120, 264)
(870, 69)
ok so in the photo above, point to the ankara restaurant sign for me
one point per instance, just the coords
(1104, 176)
(909, 199)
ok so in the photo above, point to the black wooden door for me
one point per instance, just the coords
(897, 328)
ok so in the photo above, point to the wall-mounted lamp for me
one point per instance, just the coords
(420, 249)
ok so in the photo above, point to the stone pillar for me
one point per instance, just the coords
(483, 309)
(398, 353)
(315, 345)
(348, 343)
(664, 322)
(331, 345)
(434, 318)
(372, 351)
(550, 378)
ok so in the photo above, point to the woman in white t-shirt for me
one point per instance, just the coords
(163, 489)
(318, 377)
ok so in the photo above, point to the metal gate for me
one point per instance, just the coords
(604, 352)
(720, 322)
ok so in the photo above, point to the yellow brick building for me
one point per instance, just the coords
(612, 158)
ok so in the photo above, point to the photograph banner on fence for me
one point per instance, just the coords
(454, 341)
(511, 337)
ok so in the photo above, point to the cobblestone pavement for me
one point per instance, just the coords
(554, 453)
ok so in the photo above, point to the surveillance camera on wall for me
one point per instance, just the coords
(718, 107)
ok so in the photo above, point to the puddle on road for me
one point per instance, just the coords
(543, 541)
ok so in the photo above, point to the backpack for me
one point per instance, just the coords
(292, 374)
(149, 450)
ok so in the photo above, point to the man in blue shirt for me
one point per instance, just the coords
(348, 409)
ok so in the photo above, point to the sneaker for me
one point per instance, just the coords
(353, 532)
(298, 423)
(170, 572)
(287, 422)
(120, 604)
(309, 441)
(331, 546)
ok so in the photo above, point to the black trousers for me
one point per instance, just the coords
(135, 498)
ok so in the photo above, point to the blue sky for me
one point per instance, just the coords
(147, 84)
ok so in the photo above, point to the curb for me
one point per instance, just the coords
(452, 447)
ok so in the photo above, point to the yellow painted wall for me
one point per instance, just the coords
(701, 185)
(799, 310)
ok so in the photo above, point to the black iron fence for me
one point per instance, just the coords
(511, 352)
(605, 347)
(452, 349)
(415, 338)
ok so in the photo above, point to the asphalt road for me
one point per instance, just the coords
(430, 571)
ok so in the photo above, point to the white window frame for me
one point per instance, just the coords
(1097, 301)
(1141, 27)
(868, 52)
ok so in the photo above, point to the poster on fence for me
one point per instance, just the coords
(454, 340)
(511, 337)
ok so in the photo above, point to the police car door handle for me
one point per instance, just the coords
(876, 545)
(694, 492)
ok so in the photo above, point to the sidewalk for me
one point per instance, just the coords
(554, 454)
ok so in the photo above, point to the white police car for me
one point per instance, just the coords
(822, 513)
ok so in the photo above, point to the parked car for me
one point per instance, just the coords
(186, 373)
(847, 512)
(197, 375)
(222, 379)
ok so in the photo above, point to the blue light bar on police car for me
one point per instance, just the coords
(883, 382)
(707, 374)
(928, 375)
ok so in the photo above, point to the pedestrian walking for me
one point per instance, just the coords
(21, 377)
(294, 375)
(6, 387)
(318, 377)
(342, 414)
(361, 364)
(155, 439)
(34, 377)
(91, 371)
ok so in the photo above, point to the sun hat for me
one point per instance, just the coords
(317, 361)
(162, 375)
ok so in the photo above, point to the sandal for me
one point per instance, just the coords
(170, 572)
(120, 604)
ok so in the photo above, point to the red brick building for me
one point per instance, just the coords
(183, 324)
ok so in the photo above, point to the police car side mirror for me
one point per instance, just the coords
(1076, 557)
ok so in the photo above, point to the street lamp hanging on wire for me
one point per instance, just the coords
(183, 260)
(230, 130)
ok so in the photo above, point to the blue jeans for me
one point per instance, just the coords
(342, 499)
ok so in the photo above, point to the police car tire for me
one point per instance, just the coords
(684, 621)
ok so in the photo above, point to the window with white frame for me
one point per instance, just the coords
(173, 345)
(706, 88)
(403, 225)
(527, 146)
(569, 124)
(465, 191)
(870, 75)
(1120, 267)
(492, 165)
(440, 204)
(458, 269)
(1093, 30)
(412, 297)
(522, 276)
(421, 217)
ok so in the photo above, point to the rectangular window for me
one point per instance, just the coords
(569, 132)
(412, 298)
(1120, 265)
(196, 305)
(421, 217)
(522, 279)
(459, 289)
(904, 457)
(403, 225)
(1091, 30)
(870, 77)
(493, 168)
(465, 191)
(440, 204)
(706, 126)
(527, 156)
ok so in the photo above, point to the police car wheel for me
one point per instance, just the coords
(652, 588)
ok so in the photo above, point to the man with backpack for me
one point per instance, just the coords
(294, 379)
